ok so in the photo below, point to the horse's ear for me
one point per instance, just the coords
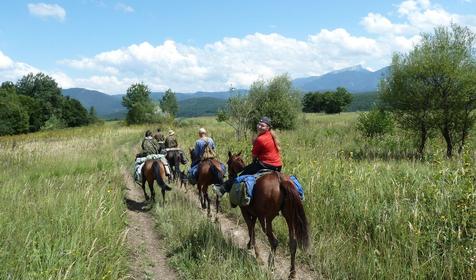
(229, 154)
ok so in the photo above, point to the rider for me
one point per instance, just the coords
(149, 145)
(160, 138)
(171, 140)
(266, 154)
(202, 142)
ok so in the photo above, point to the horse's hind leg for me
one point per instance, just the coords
(163, 196)
(143, 187)
(151, 187)
(292, 246)
(207, 200)
(250, 223)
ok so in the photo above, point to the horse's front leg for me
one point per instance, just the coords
(201, 196)
(267, 225)
(250, 223)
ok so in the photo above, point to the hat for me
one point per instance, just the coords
(202, 130)
(171, 132)
(265, 120)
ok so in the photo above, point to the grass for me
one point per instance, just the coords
(374, 210)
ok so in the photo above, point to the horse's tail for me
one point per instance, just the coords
(217, 174)
(158, 178)
(293, 205)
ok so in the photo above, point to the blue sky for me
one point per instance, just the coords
(209, 45)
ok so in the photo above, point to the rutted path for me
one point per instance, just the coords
(148, 259)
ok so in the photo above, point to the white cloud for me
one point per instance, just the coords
(43, 10)
(241, 61)
(11, 70)
(124, 8)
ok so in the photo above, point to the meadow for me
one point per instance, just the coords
(374, 210)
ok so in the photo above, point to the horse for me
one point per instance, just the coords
(175, 157)
(183, 180)
(273, 192)
(154, 170)
(209, 172)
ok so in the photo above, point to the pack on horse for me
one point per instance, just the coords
(154, 170)
(209, 172)
(273, 192)
(175, 157)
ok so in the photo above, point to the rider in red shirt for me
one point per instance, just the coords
(265, 152)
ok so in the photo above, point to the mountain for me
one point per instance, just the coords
(107, 106)
(355, 79)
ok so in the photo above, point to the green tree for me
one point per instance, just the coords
(73, 113)
(138, 103)
(374, 123)
(433, 87)
(46, 94)
(168, 103)
(13, 116)
(275, 99)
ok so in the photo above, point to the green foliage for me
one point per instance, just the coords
(168, 103)
(275, 99)
(73, 113)
(13, 116)
(432, 87)
(329, 102)
(53, 123)
(362, 102)
(374, 123)
(138, 103)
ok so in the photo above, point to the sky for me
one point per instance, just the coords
(210, 45)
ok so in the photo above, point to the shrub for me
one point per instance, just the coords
(374, 123)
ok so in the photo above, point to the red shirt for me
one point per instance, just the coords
(265, 150)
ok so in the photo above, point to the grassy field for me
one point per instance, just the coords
(374, 211)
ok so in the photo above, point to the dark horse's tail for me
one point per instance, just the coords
(293, 205)
(217, 174)
(158, 178)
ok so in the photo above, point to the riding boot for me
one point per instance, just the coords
(220, 190)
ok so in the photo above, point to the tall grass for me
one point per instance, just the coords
(374, 210)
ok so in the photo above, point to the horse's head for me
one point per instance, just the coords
(183, 158)
(235, 164)
(192, 152)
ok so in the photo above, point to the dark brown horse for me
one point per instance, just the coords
(209, 172)
(154, 170)
(273, 192)
(175, 157)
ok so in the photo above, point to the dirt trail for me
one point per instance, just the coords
(238, 234)
(147, 260)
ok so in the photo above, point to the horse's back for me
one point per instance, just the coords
(267, 197)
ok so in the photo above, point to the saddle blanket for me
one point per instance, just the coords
(140, 162)
(241, 192)
(193, 173)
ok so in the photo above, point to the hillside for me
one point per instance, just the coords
(200, 106)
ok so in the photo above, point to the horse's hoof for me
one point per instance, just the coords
(292, 275)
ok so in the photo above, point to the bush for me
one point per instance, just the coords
(374, 123)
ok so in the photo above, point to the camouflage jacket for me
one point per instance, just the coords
(171, 142)
(150, 146)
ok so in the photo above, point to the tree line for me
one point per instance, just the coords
(35, 103)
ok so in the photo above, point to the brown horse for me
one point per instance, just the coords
(175, 157)
(154, 170)
(209, 172)
(273, 192)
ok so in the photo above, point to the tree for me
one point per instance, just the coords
(138, 103)
(73, 113)
(13, 116)
(433, 87)
(275, 99)
(329, 101)
(46, 94)
(237, 113)
(168, 103)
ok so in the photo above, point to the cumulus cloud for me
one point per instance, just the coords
(241, 61)
(11, 70)
(43, 10)
(124, 8)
